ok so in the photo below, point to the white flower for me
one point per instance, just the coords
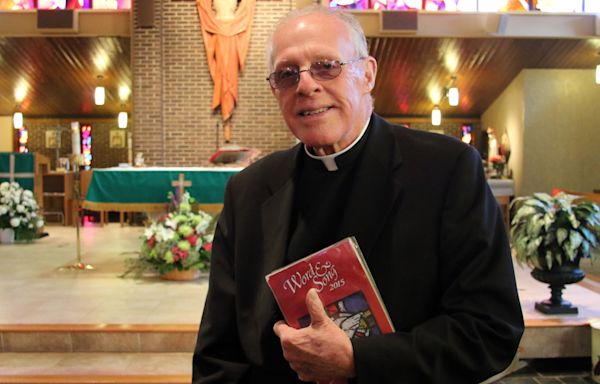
(39, 223)
(171, 223)
(15, 221)
(20, 208)
(165, 234)
(3, 210)
(150, 231)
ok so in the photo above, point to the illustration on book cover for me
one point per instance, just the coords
(352, 314)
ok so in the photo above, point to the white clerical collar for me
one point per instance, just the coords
(329, 160)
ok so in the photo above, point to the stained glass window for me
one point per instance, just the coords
(23, 138)
(451, 5)
(562, 5)
(86, 145)
(51, 4)
(592, 6)
(16, 5)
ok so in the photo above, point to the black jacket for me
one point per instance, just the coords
(433, 237)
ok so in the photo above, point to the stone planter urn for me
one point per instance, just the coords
(556, 278)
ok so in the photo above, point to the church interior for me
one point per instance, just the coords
(108, 112)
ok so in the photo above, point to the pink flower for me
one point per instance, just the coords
(179, 254)
(207, 247)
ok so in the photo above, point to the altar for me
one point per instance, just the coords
(145, 189)
(504, 191)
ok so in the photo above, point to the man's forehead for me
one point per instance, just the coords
(314, 44)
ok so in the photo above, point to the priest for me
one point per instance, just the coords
(417, 203)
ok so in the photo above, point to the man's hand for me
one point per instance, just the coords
(319, 352)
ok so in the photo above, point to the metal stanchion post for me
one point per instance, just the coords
(79, 264)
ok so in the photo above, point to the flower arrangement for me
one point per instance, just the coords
(180, 240)
(19, 211)
(549, 230)
(497, 162)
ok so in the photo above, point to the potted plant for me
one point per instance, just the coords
(551, 234)
(19, 220)
(178, 244)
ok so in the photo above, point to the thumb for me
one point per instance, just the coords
(315, 308)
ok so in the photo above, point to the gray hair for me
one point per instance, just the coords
(356, 32)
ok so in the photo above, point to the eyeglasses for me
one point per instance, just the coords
(319, 70)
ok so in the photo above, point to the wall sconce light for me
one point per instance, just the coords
(436, 116)
(99, 96)
(598, 74)
(18, 120)
(122, 119)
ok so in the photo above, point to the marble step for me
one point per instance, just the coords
(87, 368)
(87, 338)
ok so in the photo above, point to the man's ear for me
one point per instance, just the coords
(370, 72)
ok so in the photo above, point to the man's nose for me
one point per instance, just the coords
(306, 82)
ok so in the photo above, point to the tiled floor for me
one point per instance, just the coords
(34, 291)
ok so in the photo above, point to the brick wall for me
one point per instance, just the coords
(173, 123)
(102, 154)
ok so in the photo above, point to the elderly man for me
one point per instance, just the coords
(418, 204)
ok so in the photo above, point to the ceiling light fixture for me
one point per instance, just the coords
(122, 120)
(99, 94)
(436, 116)
(453, 96)
(124, 92)
(18, 120)
(452, 93)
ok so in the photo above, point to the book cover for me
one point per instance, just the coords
(342, 279)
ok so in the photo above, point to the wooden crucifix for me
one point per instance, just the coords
(180, 185)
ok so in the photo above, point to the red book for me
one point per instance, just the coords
(342, 279)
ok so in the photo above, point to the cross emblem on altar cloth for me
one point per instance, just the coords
(180, 185)
(10, 172)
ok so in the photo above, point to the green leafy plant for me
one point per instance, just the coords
(180, 239)
(548, 230)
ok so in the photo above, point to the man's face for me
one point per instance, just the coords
(324, 114)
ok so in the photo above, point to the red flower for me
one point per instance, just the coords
(207, 247)
(496, 159)
(192, 239)
(151, 241)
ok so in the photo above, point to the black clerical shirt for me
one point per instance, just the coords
(321, 198)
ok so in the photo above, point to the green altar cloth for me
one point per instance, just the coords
(151, 185)
(17, 167)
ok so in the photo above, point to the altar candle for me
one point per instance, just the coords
(75, 138)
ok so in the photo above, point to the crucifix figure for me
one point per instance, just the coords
(226, 26)
(180, 185)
